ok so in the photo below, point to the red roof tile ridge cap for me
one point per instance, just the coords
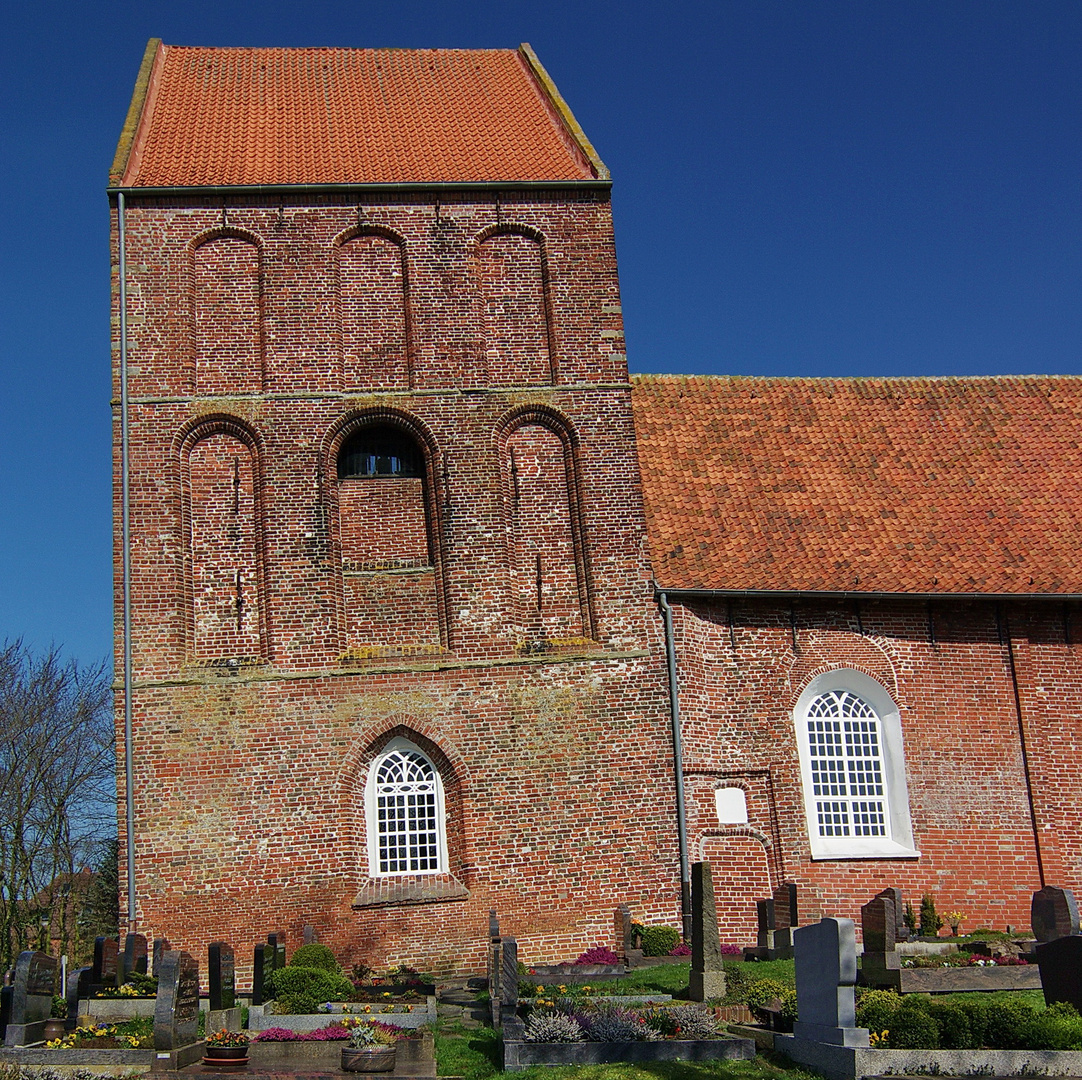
(146, 120)
(133, 121)
(561, 112)
(285, 49)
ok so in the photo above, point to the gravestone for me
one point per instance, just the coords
(764, 935)
(1060, 962)
(104, 967)
(5, 1010)
(493, 925)
(901, 931)
(133, 958)
(508, 979)
(223, 1011)
(707, 973)
(625, 935)
(786, 920)
(879, 929)
(31, 998)
(278, 941)
(826, 972)
(176, 1010)
(1053, 913)
(262, 969)
(157, 951)
(78, 989)
(494, 972)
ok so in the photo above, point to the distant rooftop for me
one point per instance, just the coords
(862, 485)
(244, 117)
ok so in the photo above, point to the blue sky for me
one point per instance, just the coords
(821, 187)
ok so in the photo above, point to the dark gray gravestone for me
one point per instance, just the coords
(262, 969)
(826, 972)
(278, 941)
(31, 998)
(901, 931)
(78, 989)
(176, 1011)
(105, 961)
(1060, 962)
(879, 928)
(707, 973)
(220, 976)
(134, 957)
(878, 925)
(493, 925)
(786, 919)
(494, 971)
(1053, 913)
(5, 1009)
(159, 948)
(508, 979)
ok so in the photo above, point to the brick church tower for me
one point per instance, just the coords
(394, 655)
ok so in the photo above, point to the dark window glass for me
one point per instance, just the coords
(379, 450)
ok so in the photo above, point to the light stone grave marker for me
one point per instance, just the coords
(707, 972)
(826, 972)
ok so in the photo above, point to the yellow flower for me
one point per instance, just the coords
(539, 991)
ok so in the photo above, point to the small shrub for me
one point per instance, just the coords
(909, 917)
(955, 1030)
(553, 1027)
(695, 1022)
(761, 993)
(876, 1009)
(659, 940)
(616, 1025)
(913, 1029)
(1053, 1029)
(1003, 1021)
(683, 949)
(930, 922)
(598, 955)
(730, 950)
(315, 956)
(304, 989)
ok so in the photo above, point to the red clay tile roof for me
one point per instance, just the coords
(863, 485)
(347, 116)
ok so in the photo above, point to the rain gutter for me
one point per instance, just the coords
(125, 545)
(678, 767)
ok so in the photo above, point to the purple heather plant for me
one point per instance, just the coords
(598, 955)
(683, 949)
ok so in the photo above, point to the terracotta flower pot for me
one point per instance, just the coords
(368, 1058)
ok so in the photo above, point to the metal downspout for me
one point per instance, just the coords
(678, 767)
(125, 543)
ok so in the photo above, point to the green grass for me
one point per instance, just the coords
(477, 1054)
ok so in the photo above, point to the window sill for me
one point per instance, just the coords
(861, 849)
(409, 889)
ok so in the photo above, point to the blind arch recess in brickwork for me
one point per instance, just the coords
(373, 310)
(226, 294)
(386, 539)
(516, 302)
(223, 549)
(547, 555)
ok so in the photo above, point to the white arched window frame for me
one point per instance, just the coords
(405, 813)
(852, 764)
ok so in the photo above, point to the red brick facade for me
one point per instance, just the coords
(491, 602)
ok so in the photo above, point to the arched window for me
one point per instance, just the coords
(405, 813)
(850, 740)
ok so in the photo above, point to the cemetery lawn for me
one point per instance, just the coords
(476, 1054)
(673, 978)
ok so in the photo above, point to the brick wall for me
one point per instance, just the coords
(742, 667)
(495, 611)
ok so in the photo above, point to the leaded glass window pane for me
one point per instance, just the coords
(406, 814)
(846, 754)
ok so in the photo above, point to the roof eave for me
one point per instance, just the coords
(318, 189)
(840, 594)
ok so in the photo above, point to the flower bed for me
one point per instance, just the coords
(403, 1016)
